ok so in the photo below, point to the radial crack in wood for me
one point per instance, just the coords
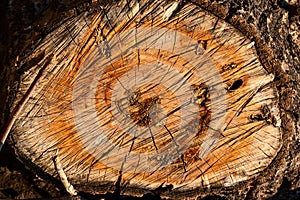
(175, 98)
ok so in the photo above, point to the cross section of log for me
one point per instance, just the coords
(161, 93)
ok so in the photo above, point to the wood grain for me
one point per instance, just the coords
(181, 100)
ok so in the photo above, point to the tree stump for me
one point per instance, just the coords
(176, 98)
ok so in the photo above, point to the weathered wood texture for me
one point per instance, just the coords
(146, 95)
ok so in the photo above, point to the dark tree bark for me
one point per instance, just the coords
(252, 153)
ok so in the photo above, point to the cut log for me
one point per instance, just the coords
(143, 95)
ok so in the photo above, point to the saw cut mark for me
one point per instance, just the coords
(172, 10)
(144, 97)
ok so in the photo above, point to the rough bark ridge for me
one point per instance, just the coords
(272, 24)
